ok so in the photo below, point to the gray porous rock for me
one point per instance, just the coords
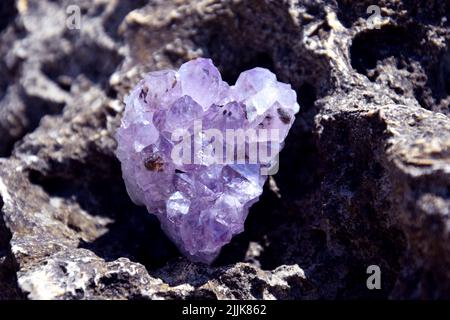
(364, 177)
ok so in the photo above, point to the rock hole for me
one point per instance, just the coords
(65, 69)
(389, 40)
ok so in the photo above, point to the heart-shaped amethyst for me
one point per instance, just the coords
(196, 151)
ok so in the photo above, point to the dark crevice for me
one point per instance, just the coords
(134, 233)
(65, 69)
(439, 76)
(113, 21)
(8, 13)
(4, 233)
(35, 108)
(9, 289)
(261, 59)
(4, 80)
(3, 88)
(307, 96)
(38, 108)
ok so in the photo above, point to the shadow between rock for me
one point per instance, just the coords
(134, 233)
(9, 289)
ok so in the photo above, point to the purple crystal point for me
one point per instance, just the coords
(196, 151)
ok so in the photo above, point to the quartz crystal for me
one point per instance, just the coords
(199, 194)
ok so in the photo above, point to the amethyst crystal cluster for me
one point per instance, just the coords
(177, 130)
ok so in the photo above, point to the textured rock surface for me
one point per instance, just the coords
(364, 177)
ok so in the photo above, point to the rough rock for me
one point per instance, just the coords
(364, 177)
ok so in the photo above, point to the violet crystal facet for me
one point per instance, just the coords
(201, 204)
